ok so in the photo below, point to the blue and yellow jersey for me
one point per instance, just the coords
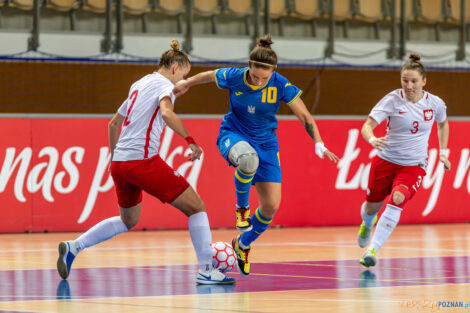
(253, 108)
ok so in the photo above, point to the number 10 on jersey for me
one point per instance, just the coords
(269, 94)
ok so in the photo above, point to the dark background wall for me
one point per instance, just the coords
(64, 87)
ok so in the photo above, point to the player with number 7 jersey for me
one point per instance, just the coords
(398, 169)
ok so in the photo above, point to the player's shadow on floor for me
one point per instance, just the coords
(208, 289)
(63, 290)
(367, 279)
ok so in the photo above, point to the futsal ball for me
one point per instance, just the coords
(223, 256)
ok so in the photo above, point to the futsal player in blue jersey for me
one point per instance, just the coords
(247, 137)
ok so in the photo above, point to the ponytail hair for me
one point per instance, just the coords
(263, 55)
(173, 55)
(414, 64)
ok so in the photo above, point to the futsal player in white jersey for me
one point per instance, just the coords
(136, 166)
(397, 171)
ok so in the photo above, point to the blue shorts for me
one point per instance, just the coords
(269, 169)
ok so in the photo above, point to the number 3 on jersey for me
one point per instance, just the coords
(415, 127)
(132, 97)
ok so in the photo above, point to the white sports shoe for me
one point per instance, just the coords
(214, 277)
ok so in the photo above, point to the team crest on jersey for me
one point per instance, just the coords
(251, 109)
(428, 114)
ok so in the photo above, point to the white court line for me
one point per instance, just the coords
(337, 244)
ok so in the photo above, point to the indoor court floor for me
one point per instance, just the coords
(293, 270)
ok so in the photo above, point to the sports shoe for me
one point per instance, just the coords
(243, 265)
(65, 260)
(363, 237)
(243, 219)
(368, 259)
(214, 277)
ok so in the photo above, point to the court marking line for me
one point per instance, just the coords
(410, 280)
(335, 265)
(313, 244)
(241, 293)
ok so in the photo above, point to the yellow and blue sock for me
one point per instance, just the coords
(242, 187)
(260, 224)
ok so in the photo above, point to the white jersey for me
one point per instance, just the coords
(143, 123)
(408, 126)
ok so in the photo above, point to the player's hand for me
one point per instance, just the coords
(379, 143)
(196, 152)
(331, 156)
(180, 88)
(446, 162)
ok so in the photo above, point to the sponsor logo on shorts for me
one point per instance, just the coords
(227, 142)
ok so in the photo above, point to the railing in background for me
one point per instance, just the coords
(328, 6)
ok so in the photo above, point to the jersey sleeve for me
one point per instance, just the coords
(168, 92)
(383, 109)
(441, 112)
(224, 77)
(291, 93)
(123, 108)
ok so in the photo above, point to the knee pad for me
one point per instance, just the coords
(244, 157)
(403, 190)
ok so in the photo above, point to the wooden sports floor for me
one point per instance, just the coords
(422, 268)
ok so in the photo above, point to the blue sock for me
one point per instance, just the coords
(260, 224)
(242, 187)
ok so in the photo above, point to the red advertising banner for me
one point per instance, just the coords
(53, 176)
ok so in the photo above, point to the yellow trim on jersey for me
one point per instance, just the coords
(243, 180)
(216, 82)
(287, 84)
(295, 98)
(250, 85)
(240, 191)
(279, 159)
(237, 93)
(260, 219)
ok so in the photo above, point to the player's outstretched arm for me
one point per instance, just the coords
(113, 132)
(202, 78)
(299, 109)
(367, 133)
(443, 135)
(175, 123)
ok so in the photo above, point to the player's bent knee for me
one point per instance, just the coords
(400, 195)
(248, 163)
(244, 156)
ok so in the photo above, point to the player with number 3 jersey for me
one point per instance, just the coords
(397, 171)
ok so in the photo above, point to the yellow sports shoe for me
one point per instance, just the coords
(369, 259)
(243, 219)
(243, 265)
(363, 237)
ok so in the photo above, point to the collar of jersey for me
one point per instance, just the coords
(423, 100)
(250, 85)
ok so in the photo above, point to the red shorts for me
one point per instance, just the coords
(384, 176)
(152, 175)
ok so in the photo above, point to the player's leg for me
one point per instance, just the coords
(269, 195)
(129, 199)
(163, 182)
(379, 186)
(245, 158)
(192, 206)
(240, 154)
(405, 185)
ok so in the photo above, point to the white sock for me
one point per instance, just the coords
(102, 231)
(368, 219)
(201, 237)
(385, 226)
